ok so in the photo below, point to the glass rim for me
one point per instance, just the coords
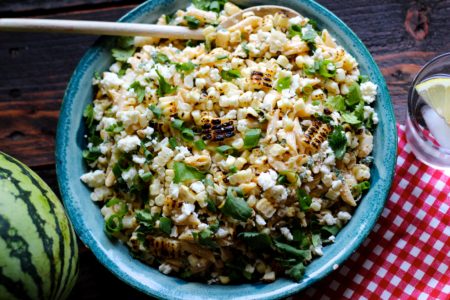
(411, 93)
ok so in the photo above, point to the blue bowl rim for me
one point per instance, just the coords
(90, 242)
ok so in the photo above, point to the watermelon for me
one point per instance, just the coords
(38, 247)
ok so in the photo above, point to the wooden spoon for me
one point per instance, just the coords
(130, 29)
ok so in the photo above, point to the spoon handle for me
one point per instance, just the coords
(100, 28)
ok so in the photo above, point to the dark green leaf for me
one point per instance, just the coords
(292, 251)
(91, 155)
(192, 22)
(184, 173)
(295, 30)
(363, 78)
(296, 272)
(236, 207)
(114, 223)
(112, 202)
(229, 75)
(283, 83)
(173, 142)
(211, 205)
(139, 90)
(361, 187)
(251, 138)
(146, 177)
(233, 169)
(97, 75)
(338, 142)
(330, 230)
(323, 118)
(316, 240)
(115, 128)
(125, 42)
(165, 225)
(304, 199)
(256, 240)
(164, 88)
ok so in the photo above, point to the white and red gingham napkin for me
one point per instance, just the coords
(407, 254)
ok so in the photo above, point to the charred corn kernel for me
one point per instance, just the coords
(231, 9)
(265, 208)
(315, 135)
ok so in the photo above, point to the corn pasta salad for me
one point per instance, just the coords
(233, 159)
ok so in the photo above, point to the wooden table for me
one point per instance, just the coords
(35, 68)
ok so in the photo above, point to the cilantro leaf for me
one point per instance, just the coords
(304, 199)
(192, 22)
(336, 102)
(338, 142)
(256, 240)
(292, 251)
(186, 68)
(236, 207)
(164, 87)
(122, 54)
(160, 58)
(139, 90)
(165, 225)
(296, 272)
(156, 110)
(354, 95)
(350, 118)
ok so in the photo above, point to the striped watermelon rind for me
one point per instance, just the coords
(38, 247)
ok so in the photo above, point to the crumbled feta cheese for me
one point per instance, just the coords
(129, 143)
(174, 190)
(128, 117)
(221, 233)
(198, 187)
(165, 268)
(94, 178)
(148, 131)
(266, 180)
(140, 160)
(286, 233)
(344, 216)
(329, 219)
(260, 220)
(187, 208)
(129, 175)
(278, 192)
(368, 91)
(162, 158)
(100, 193)
(111, 80)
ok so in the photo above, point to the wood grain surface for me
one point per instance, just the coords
(35, 69)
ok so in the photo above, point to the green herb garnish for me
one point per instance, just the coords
(236, 207)
(156, 110)
(139, 90)
(256, 240)
(338, 141)
(192, 22)
(184, 173)
(185, 68)
(165, 225)
(251, 138)
(304, 199)
(164, 87)
(229, 75)
(200, 144)
(225, 150)
(283, 83)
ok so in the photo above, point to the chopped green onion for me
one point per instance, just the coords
(192, 22)
(115, 128)
(187, 134)
(220, 57)
(112, 202)
(200, 144)
(307, 89)
(139, 90)
(283, 83)
(315, 103)
(327, 69)
(114, 223)
(91, 155)
(251, 138)
(361, 187)
(165, 225)
(173, 142)
(156, 110)
(97, 75)
(292, 251)
(363, 78)
(296, 272)
(184, 173)
(177, 124)
(233, 169)
(225, 150)
(304, 199)
(211, 206)
(330, 230)
(294, 30)
(229, 75)
(146, 176)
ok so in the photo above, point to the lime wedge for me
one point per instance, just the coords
(436, 93)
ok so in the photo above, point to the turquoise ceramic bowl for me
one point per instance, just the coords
(88, 222)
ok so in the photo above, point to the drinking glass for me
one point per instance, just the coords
(427, 133)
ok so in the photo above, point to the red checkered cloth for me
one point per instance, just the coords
(407, 254)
